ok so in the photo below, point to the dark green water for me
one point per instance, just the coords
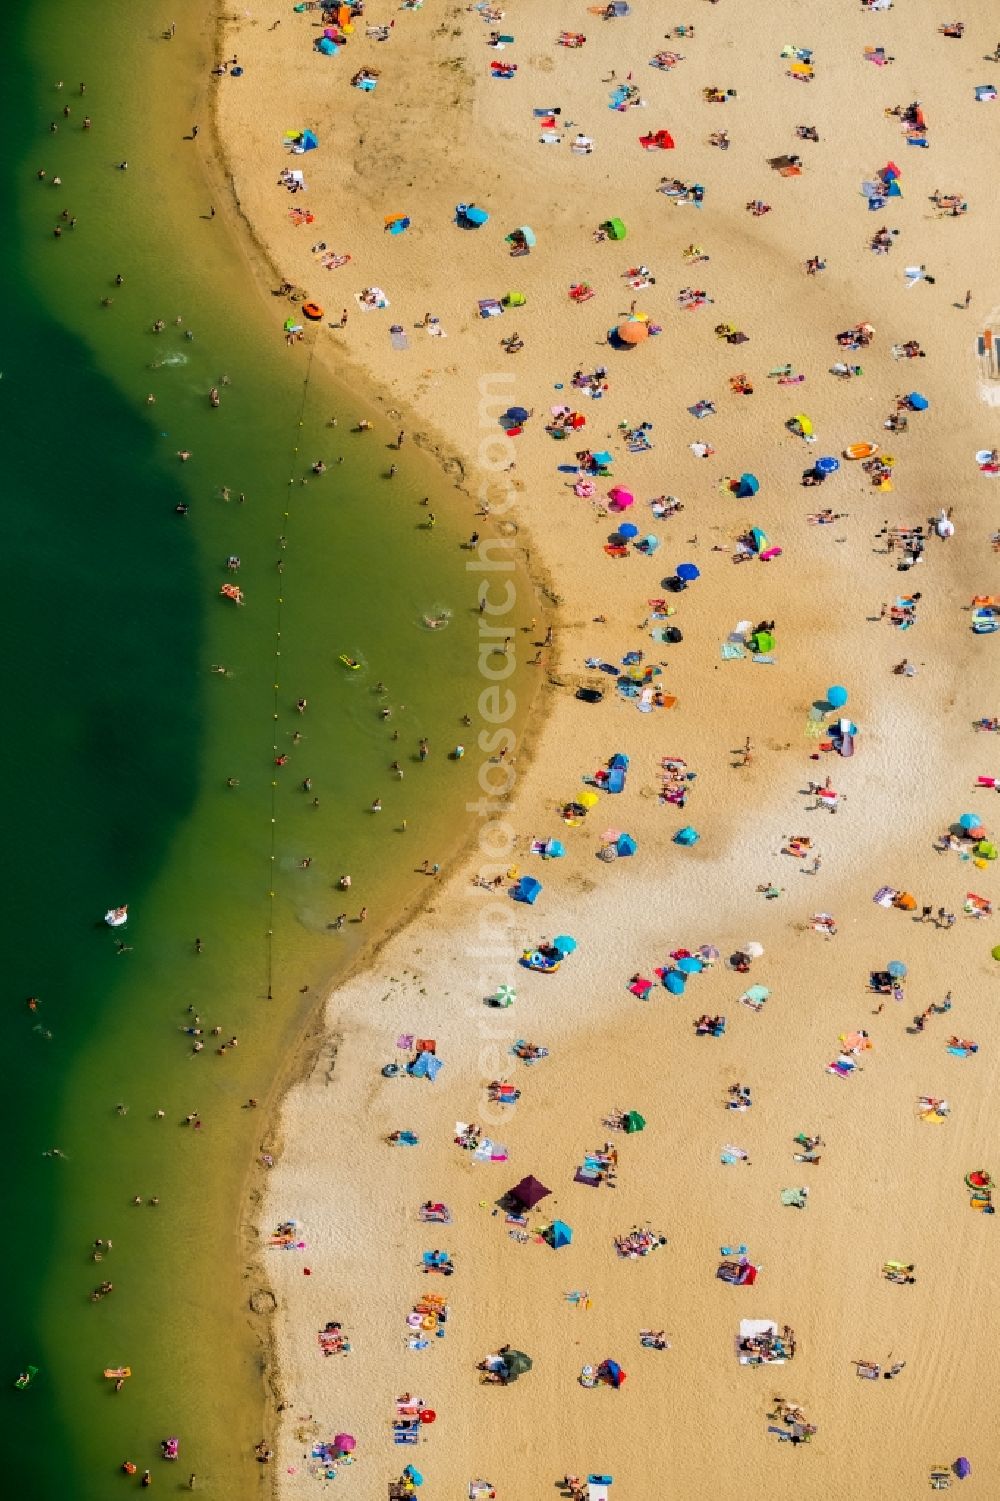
(121, 738)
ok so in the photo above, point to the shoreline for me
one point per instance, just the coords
(669, 898)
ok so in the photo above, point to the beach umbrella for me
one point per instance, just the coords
(709, 951)
(827, 465)
(634, 1122)
(803, 424)
(517, 414)
(412, 1475)
(560, 1234)
(896, 968)
(674, 981)
(917, 402)
(756, 993)
(612, 1372)
(588, 799)
(758, 538)
(754, 949)
(633, 332)
(688, 572)
(628, 531)
(564, 944)
(471, 214)
(836, 696)
(603, 458)
(690, 965)
(995, 952)
(344, 1442)
(962, 1467)
(747, 484)
(529, 1192)
(970, 821)
(620, 497)
(515, 1364)
(505, 995)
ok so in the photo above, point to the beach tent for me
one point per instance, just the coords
(553, 850)
(327, 46)
(396, 224)
(603, 459)
(514, 299)
(426, 1066)
(634, 1122)
(529, 1192)
(687, 835)
(615, 229)
(626, 845)
(619, 761)
(746, 485)
(801, 424)
(469, 216)
(560, 1234)
(674, 982)
(526, 890)
(611, 1372)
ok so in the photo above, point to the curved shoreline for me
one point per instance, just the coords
(712, 889)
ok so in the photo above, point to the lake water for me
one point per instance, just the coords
(122, 737)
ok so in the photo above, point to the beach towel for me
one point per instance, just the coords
(399, 339)
(731, 651)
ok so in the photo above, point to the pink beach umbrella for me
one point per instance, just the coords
(344, 1442)
(621, 498)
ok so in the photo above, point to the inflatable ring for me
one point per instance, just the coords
(312, 310)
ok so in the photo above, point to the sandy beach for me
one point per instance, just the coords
(440, 129)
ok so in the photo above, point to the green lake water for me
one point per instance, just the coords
(121, 738)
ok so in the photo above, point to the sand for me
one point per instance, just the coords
(437, 131)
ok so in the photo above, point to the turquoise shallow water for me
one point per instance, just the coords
(121, 740)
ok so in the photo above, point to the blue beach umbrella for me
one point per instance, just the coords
(917, 402)
(896, 968)
(690, 966)
(970, 821)
(628, 531)
(603, 458)
(564, 944)
(688, 572)
(748, 484)
(827, 465)
(517, 414)
(836, 696)
(674, 981)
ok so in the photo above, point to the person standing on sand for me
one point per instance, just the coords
(363, 915)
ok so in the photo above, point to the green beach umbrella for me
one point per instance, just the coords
(516, 1363)
(634, 1121)
(505, 995)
